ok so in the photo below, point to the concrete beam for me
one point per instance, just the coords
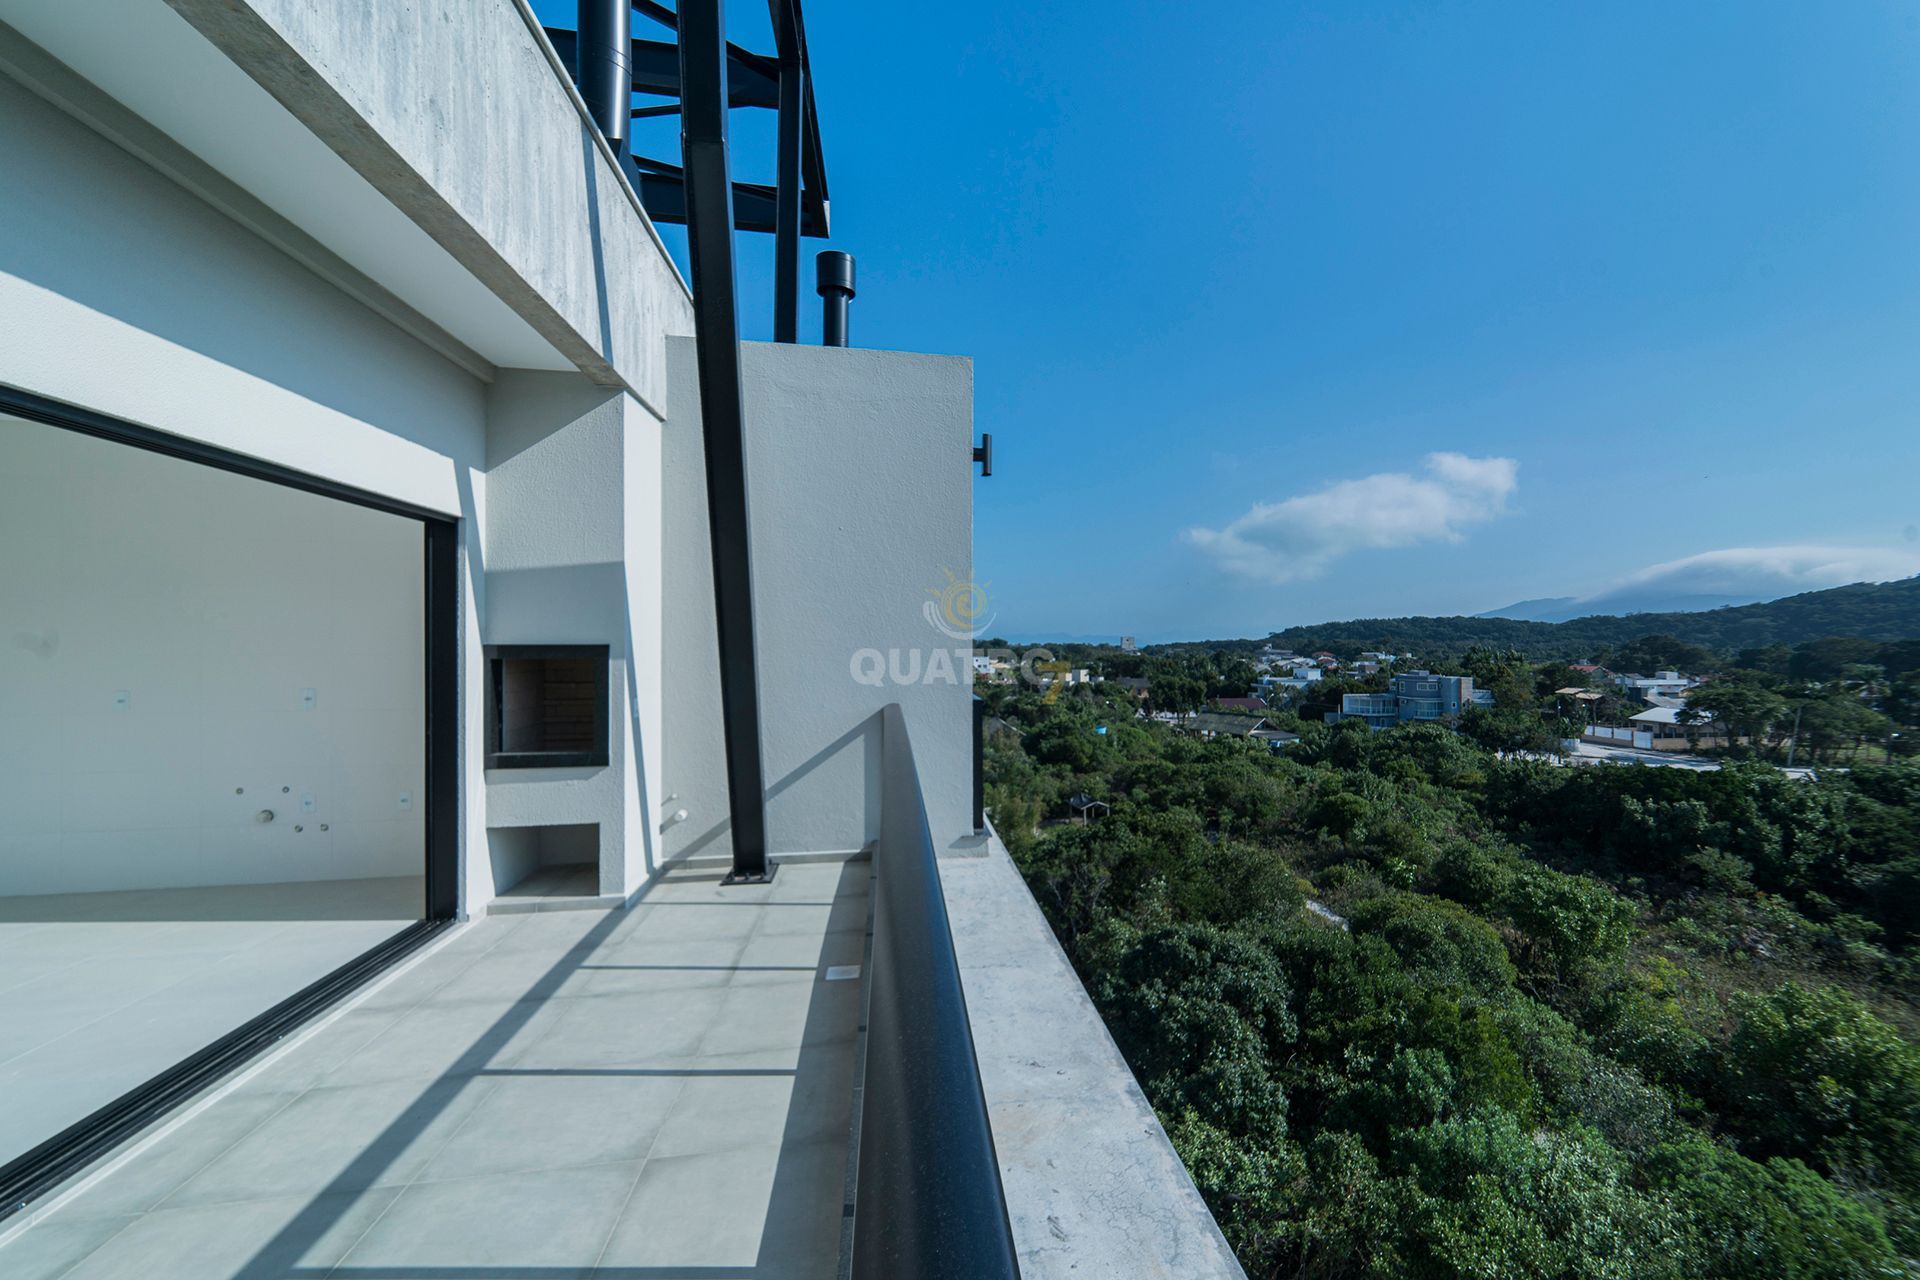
(458, 113)
(86, 102)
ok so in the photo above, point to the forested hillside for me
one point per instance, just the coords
(1876, 611)
(1412, 1009)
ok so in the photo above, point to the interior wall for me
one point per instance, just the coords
(161, 624)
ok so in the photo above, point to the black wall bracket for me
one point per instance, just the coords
(983, 453)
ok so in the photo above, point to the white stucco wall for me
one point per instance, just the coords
(862, 503)
(571, 556)
(120, 292)
(160, 623)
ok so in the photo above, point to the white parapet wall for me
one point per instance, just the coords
(859, 482)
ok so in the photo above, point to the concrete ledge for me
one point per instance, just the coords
(454, 110)
(1093, 1185)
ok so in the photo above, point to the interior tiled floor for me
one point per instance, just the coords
(649, 1094)
(101, 991)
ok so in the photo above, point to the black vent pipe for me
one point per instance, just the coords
(604, 66)
(833, 276)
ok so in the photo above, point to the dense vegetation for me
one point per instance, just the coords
(1874, 611)
(1410, 1007)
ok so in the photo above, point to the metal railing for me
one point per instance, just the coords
(928, 1204)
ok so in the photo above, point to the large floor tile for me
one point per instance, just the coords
(551, 1224)
(637, 1029)
(157, 1172)
(438, 1039)
(53, 1248)
(257, 1240)
(770, 1017)
(533, 1122)
(337, 1140)
(734, 1104)
(774, 1210)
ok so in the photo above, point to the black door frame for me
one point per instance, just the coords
(35, 1172)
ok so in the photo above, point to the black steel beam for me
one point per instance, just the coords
(654, 66)
(753, 81)
(709, 201)
(443, 749)
(664, 197)
(786, 213)
(813, 161)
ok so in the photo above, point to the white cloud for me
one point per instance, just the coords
(1300, 537)
(1766, 573)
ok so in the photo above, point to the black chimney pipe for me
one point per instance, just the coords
(833, 276)
(604, 66)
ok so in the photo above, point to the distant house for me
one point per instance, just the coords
(1240, 704)
(1415, 698)
(1084, 808)
(1210, 724)
(1663, 731)
(1670, 683)
(1299, 675)
(1135, 685)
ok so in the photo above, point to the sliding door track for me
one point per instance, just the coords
(72, 1149)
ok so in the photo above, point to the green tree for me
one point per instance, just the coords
(1201, 1015)
(1816, 1076)
(1747, 710)
(1780, 1220)
(1569, 925)
(1490, 1197)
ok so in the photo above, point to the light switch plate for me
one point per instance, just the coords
(122, 699)
(306, 802)
(307, 699)
(406, 802)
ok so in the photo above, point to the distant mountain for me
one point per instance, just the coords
(1037, 637)
(1545, 609)
(1873, 611)
(1616, 604)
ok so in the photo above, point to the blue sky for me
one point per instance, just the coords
(1287, 312)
